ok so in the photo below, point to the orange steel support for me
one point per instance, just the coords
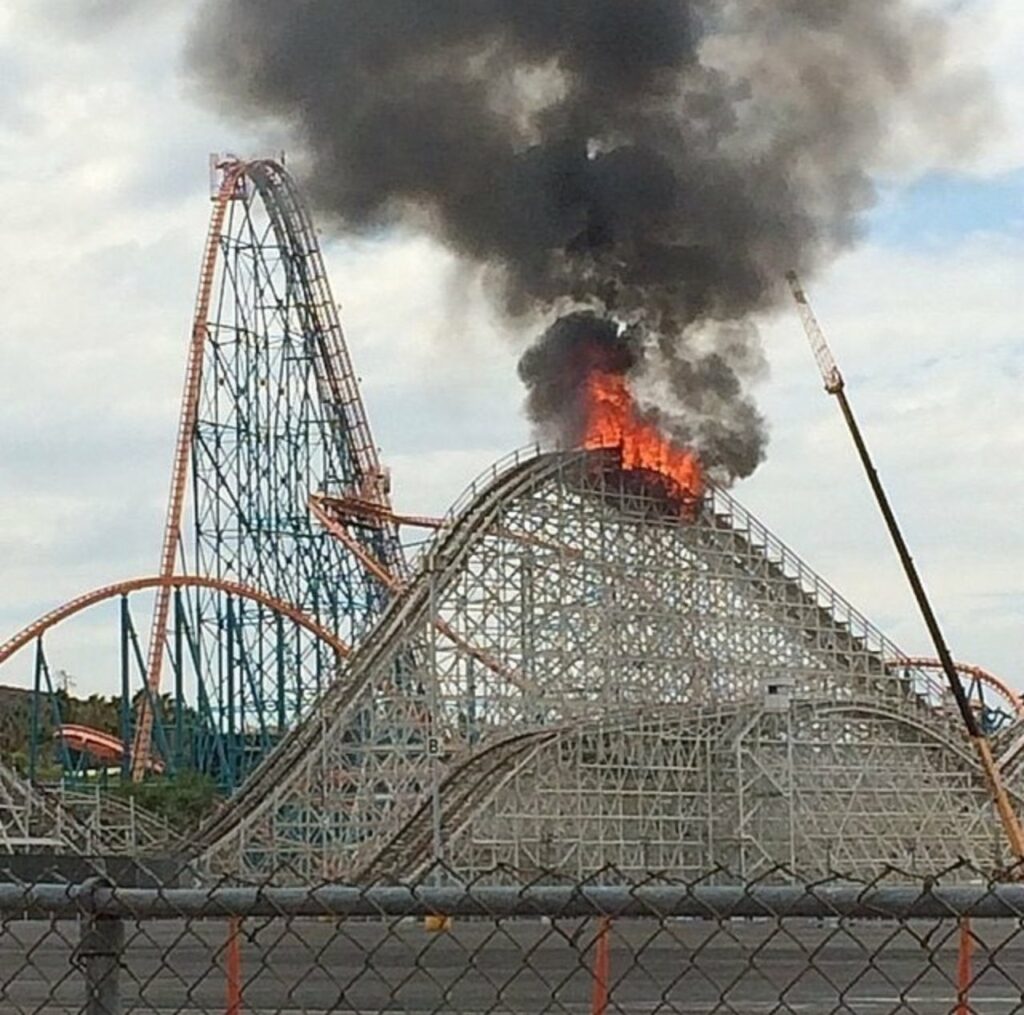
(367, 559)
(83, 602)
(371, 510)
(233, 967)
(482, 657)
(963, 968)
(179, 473)
(318, 505)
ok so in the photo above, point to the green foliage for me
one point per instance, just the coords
(16, 707)
(15, 719)
(183, 800)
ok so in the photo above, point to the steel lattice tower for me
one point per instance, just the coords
(271, 416)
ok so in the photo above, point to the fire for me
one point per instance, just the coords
(612, 421)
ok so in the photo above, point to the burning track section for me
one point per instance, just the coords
(580, 377)
(613, 422)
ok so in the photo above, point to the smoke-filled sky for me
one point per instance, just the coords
(105, 131)
(657, 163)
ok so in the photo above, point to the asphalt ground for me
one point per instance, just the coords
(524, 966)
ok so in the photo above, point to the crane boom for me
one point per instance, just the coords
(835, 385)
(830, 374)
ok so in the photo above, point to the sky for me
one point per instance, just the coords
(104, 144)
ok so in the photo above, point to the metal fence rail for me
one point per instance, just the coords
(657, 947)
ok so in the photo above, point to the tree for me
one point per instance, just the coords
(183, 800)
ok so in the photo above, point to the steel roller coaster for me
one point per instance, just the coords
(571, 674)
(253, 599)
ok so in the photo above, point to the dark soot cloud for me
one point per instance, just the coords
(649, 167)
(556, 367)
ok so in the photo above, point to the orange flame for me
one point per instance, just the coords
(612, 421)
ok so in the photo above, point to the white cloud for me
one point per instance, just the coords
(103, 186)
(931, 346)
(987, 34)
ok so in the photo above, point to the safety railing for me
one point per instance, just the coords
(824, 595)
(483, 481)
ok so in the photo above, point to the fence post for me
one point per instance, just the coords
(233, 961)
(963, 968)
(101, 945)
(602, 967)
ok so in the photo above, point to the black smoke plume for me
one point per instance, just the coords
(556, 367)
(643, 168)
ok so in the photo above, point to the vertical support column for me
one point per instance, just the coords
(37, 693)
(100, 950)
(229, 697)
(156, 725)
(472, 732)
(233, 964)
(180, 761)
(282, 714)
(436, 921)
(791, 791)
(963, 968)
(300, 699)
(126, 693)
(741, 815)
(710, 858)
(433, 733)
(256, 676)
(318, 663)
(602, 967)
(56, 713)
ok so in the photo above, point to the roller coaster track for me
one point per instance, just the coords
(262, 788)
(341, 406)
(31, 818)
(967, 670)
(336, 378)
(166, 582)
(465, 790)
(805, 600)
(117, 826)
(79, 820)
(321, 511)
(179, 471)
(104, 747)
(477, 777)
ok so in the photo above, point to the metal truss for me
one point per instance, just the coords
(254, 597)
(630, 683)
(179, 727)
(273, 415)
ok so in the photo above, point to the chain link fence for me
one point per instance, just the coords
(501, 945)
